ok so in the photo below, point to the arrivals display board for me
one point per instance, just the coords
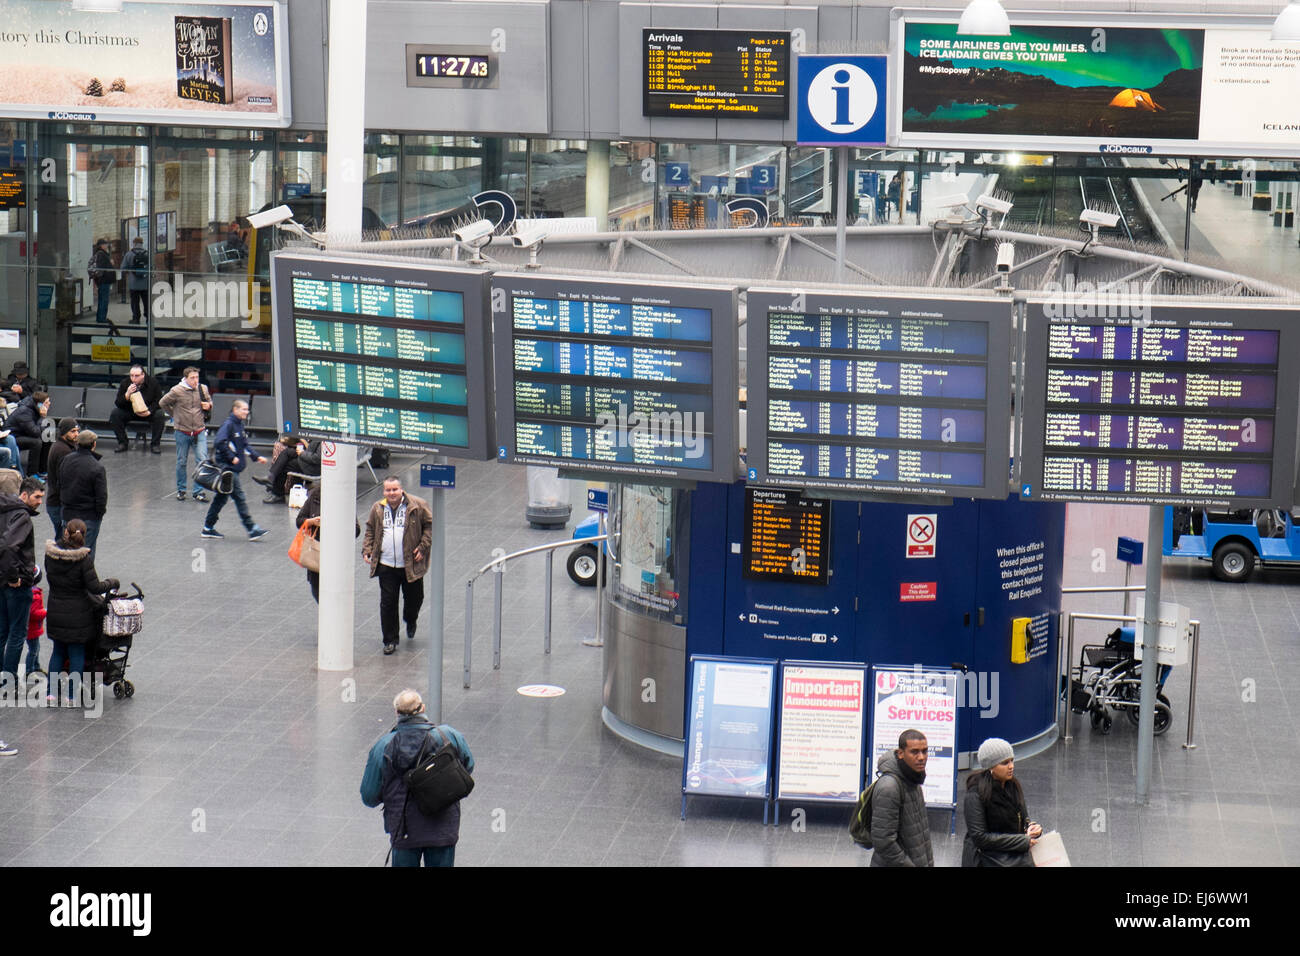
(1160, 402)
(880, 393)
(618, 379)
(13, 189)
(821, 738)
(742, 73)
(1171, 86)
(385, 354)
(178, 62)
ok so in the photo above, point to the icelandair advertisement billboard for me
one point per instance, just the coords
(1054, 85)
(197, 64)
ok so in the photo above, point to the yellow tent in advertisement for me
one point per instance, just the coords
(1136, 99)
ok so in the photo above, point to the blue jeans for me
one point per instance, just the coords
(105, 290)
(92, 532)
(56, 518)
(76, 655)
(15, 455)
(15, 606)
(433, 856)
(33, 654)
(219, 502)
(184, 443)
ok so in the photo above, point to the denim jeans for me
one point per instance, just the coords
(15, 456)
(219, 502)
(184, 443)
(105, 290)
(33, 654)
(433, 856)
(15, 606)
(76, 655)
(56, 518)
(92, 531)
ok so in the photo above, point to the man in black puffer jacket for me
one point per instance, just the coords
(83, 487)
(151, 392)
(900, 829)
(413, 833)
(17, 567)
(25, 422)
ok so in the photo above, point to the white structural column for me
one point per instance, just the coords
(598, 182)
(345, 154)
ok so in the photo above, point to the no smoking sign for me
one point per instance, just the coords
(922, 532)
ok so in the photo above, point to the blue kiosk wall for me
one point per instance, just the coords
(994, 561)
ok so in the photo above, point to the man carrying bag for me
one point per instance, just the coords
(406, 768)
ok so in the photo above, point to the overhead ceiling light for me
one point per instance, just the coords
(97, 6)
(984, 18)
(1287, 24)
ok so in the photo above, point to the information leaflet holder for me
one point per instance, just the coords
(821, 733)
(869, 394)
(729, 729)
(924, 699)
(377, 353)
(1160, 402)
(617, 380)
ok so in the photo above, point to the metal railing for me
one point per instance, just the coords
(498, 565)
(1068, 631)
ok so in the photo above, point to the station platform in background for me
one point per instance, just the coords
(235, 750)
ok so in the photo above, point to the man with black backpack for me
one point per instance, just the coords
(419, 771)
(135, 266)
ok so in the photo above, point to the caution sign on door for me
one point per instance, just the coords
(921, 534)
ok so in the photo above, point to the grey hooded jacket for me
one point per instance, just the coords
(900, 829)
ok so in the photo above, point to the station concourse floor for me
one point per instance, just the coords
(236, 751)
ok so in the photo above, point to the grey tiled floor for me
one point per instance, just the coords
(236, 751)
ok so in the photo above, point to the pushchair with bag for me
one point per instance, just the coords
(123, 619)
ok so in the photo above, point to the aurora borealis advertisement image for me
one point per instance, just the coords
(1101, 83)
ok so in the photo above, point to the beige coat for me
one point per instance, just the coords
(182, 403)
(418, 534)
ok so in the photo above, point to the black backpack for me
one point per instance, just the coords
(438, 779)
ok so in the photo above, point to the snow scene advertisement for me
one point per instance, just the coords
(924, 700)
(184, 63)
(1140, 87)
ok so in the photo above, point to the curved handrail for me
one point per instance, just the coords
(536, 549)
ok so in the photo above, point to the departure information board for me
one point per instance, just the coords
(787, 536)
(616, 378)
(744, 73)
(880, 393)
(1165, 403)
(391, 355)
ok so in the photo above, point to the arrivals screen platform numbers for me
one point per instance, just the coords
(873, 394)
(392, 355)
(1160, 403)
(616, 378)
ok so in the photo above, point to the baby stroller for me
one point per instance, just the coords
(123, 619)
(1108, 680)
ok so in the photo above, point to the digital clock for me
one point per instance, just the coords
(451, 65)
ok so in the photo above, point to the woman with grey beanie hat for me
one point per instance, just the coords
(998, 829)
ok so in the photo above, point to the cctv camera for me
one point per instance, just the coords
(475, 231)
(270, 217)
(953, 201)
(1094, 217)
(993, 204)
(527, 237)
(1006, 256)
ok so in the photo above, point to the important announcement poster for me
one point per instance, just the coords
(1071, 86)
(183, 63)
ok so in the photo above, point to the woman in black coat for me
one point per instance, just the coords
(73, 611)
(998, 829)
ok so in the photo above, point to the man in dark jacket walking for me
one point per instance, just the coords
(231, 450)
(83, 487)
(150, 392)
(900, 829)
(413, 833)
(64, 446)
(17, 567)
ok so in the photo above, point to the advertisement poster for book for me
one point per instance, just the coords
(913, 699)
(191, 63)
(820, 749)
(1123, 88)
(729, 739)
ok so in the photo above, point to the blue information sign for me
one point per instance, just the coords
(437, 476)
(677, 174)
(296, 190)
(597, 500)
(841, 100)
(762, 179)
(1129, 551)
(729, 728)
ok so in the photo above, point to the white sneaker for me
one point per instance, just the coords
(8, 750)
